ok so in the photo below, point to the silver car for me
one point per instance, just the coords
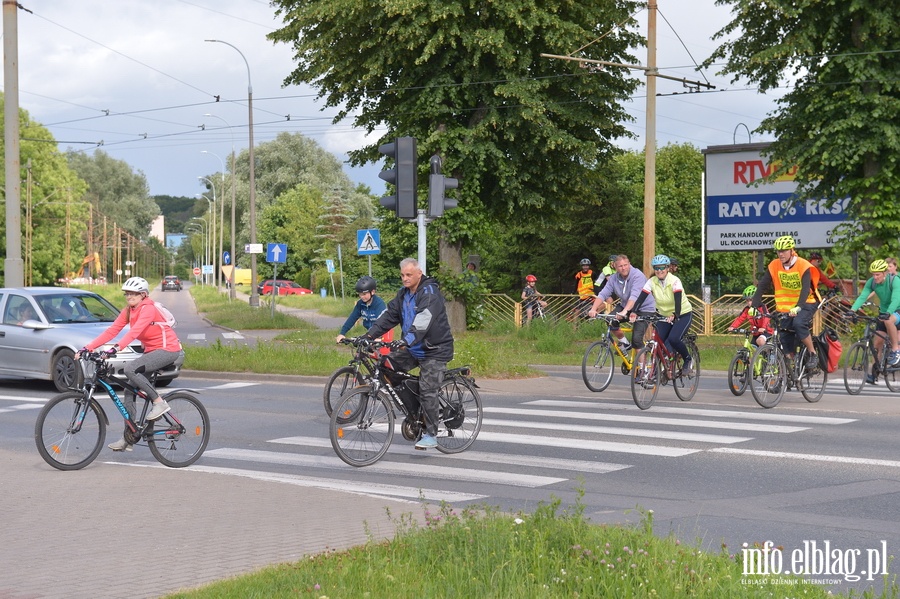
(42, 327)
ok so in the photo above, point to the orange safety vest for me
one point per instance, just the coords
(788, 282)
(585, 283)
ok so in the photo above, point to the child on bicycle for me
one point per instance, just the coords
(760, 323)
(531, 298)
(369, 307)
(161, 345)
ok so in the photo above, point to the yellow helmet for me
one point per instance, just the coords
(878, 266)
(785, 242)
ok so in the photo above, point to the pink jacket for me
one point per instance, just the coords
(147, 326)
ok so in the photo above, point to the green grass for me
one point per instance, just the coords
(480, 552)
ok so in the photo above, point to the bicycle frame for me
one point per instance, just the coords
(856, 363)
(778, 372)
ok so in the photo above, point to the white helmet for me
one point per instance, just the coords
(136, 284)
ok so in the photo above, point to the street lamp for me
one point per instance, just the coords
(233, 193)
(221, 221)
(254, 294)
(205, 233)
(213, 211)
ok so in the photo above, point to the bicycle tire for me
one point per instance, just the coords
(739, 373)
(598, 366)
(645, 379)
(341, 380)
(855, 368)
(811, 383)
(891, 375)
(461, 415)
(180, 436)
(363, 435)
(769, 386)
(686, 384)
(58, 446)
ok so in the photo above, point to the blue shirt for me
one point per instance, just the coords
(368, 312)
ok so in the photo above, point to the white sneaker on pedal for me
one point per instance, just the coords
(159, 408)
(121, 445)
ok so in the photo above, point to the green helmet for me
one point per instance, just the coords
(749, 291)
(785, 242)
(878, 266)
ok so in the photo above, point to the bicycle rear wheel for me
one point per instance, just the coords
(686, 383)
(811, 382)
(738, 373)
(461, 415)
(769, 385)
(645, 378)
(69, 431)
(362, 426)
(855, 367)
(597, 366)
(891, 376)
(341, 380)
(181, 435)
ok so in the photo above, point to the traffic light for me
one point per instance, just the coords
(437, 183)
(403, 177)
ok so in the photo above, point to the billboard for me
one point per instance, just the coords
(744, 213)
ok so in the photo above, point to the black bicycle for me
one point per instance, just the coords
(362, 423)
(778, 372)
(71, 428)
(862, 353)
(352, 375)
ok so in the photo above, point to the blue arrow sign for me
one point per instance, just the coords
(226, 258)
(368, 242)
(277, 253)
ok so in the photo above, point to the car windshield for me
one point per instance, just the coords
(77, 308)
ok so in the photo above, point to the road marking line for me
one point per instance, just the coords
(809, 457)
(480, 456)
(196, 337)
(585, 444)
(230, 386)
(368, 489)
(697, 412)
(234, 335)
(418, 468)
(623, 431)
(646, 419)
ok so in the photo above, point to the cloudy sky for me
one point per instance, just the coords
(136, 79)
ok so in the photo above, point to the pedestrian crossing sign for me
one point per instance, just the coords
(368, 242)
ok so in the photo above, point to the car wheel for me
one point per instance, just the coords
(65, 371)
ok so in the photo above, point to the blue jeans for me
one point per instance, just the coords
(672, 334)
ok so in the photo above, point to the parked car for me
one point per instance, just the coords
(170, 283)
(42, 327)
(284, 288)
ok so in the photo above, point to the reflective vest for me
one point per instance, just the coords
(788, 282)
(585, 287)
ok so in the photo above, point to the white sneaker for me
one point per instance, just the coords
(121, 445)
(159, 408)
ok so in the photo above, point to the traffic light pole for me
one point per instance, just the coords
(421, 222)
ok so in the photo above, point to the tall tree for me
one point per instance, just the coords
(838, 122)
(523, 133)
(116, 190)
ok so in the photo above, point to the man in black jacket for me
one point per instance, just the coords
(419, 308)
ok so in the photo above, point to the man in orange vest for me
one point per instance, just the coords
(794, 281)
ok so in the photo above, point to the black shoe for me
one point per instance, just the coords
(812, 362)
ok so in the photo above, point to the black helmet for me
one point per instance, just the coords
(585, 262)
(365, 283)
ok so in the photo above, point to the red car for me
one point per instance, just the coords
(284, 288)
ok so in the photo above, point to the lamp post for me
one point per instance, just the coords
(205, 232)
(233, 193)
(213, 241)
(254, 294)
(221, 221)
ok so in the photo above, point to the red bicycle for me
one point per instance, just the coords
(655, 365)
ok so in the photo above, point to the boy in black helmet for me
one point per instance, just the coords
(369, 307)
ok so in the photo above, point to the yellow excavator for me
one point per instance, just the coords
(91, 267)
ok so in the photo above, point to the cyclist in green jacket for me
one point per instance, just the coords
(884, 285)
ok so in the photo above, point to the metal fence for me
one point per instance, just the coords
(713, 318)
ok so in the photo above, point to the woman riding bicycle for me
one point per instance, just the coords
(672, 303)
(760, 323)
(161, 346)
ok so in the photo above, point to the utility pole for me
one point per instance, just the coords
(13, 266)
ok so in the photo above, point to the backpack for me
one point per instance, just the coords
(167, 318)
(828, 347)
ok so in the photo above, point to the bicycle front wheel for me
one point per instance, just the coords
(597, 366)
(69, 431)
(181, 435)
(891, 376)
(362, 426)
(341, 380)
(686, 383)
(855, 368)
(461, 415)
(768, 386)
(738, 375)
(645, 378)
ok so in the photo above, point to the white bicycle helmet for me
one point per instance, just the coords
(138, 284)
